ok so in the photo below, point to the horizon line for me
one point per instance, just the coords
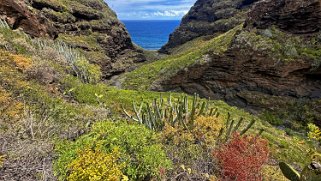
(150, 19)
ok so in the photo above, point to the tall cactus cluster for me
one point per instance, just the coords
(311, 172)
(183, 113)
(175, 113)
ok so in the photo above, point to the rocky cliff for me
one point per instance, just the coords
(89, 25)
(209, 17)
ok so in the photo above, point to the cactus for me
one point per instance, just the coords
(311, 172)
(178, 113)
(231, 127)
(4, 24)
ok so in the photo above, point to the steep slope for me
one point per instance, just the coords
(271, 62)
(88, 25)
(208, 17)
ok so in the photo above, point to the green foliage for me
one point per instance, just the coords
(138, 147)
(4, 24)
(272, 119)
(308, 173)
(87, 72)
(177, 113)
(289, 172)
(231, 128)
(314, 132)
(311, 172)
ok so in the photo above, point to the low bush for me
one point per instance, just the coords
(95, 165)
(314, 132)
(88, 73)
(242, 158)
(139, 149)
(190, 150)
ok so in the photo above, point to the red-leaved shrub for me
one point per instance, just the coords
(242, 158)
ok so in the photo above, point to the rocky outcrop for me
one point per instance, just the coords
(16, 13)
(209, 17)
(273, 62)
(299, 17)
(86, 24)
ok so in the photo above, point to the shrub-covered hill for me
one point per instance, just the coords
(58, 121)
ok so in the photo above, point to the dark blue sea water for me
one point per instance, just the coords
(151, 34)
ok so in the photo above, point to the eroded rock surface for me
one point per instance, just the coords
(300, 17)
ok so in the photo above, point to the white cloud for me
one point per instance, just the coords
(150, 9)
(170, 13)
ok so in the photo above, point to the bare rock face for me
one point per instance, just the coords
(299, 17)
(86, 24)
(209, 17)
(16, 13)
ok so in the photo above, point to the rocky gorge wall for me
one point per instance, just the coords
(273, 62)
(89, 25)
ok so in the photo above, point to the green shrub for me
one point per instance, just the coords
(272, 119)
(88, 73)
(138, 147)
(314, 132)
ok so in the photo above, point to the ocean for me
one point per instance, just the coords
(150, 34)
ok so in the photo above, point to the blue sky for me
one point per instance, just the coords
(150, 9)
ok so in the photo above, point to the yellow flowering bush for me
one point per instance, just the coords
(22, 62)
(10, 109)
(191, 148)
(205, 130)
(96, 165)
(314, 132)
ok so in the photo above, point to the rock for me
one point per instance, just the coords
(209, 17)
(17, 14)
(89, 25)
(300, 17)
